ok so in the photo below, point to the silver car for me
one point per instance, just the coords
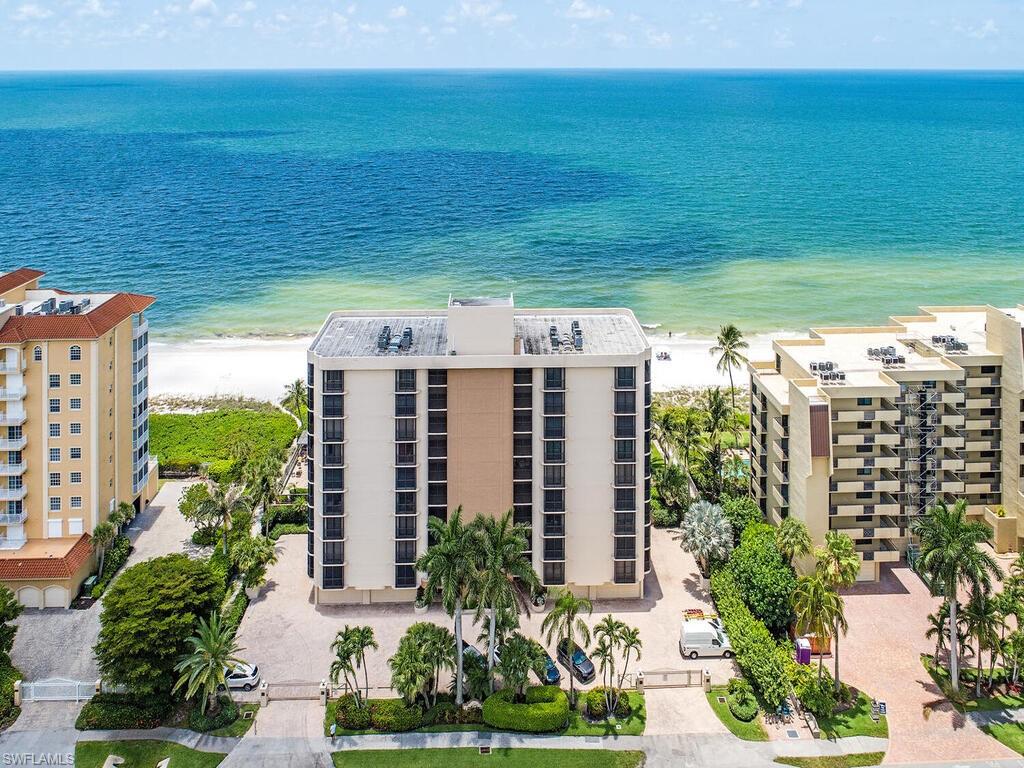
(244, 676)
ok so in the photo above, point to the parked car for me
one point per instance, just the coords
(700, 637)
(580, 666)
(244, 676)
(551, 674)
(470, 650)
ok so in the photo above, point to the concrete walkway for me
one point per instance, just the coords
(186, 738)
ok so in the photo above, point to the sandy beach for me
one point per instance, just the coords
(261, 368)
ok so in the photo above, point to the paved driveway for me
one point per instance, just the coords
(881, 655)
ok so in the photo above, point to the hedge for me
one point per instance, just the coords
(764, 578)
(745, 711)
(8, 712)
(113, 562)
(349, 716)
(763, 661)
(546, 709)
(597, 707)
(394, 716)
(446, 712)
(283, 529)
(225, 716)
(117, 711)
(232, 616)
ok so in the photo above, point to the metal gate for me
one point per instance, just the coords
(671, 678)
(57, 689)
(296, 691)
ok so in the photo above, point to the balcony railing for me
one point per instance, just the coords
(6, 470)
(16, 444)
(12, 393)
(13, 494)
(16, 519)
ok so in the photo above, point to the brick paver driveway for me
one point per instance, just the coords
(289, 637)
(881, 656)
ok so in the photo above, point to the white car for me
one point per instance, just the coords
(244, 676)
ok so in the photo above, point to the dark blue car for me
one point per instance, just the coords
(580, 667)
(551, 675)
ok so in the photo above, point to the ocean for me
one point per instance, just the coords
(253, 203)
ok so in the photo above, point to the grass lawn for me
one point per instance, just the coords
(142, 754)
(752, 731)
(855, 721)
(1008, 734)
(843, 761)
(470, 758)
(965, 700)
(241, 725)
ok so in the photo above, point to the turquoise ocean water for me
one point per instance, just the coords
(253, 203)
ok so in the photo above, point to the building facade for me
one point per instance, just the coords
(861, 430)
(489, 408)
(74, 429)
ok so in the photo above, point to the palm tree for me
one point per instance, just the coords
(689, 432)
(673, 487)
(451, 565)
(102, 537)
(202, 669)
(838, 565)
(295, 397)
(982, 622)
(519, 656)
(664, 423)
(604, 654)
(707, 535)
(951, 558)
(411, 673)
(793, 538)
(362, 640)
(630, 643)
(438, 647)
(937, 628)
(223, 502)
(717, 420)
(818, 610)
(729, 347)
(252, 556)
(564, 622)
(609, 635)
(262, 480)
(121, 516)
(502, 565)
(343, 665)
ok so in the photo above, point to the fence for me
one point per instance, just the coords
(294, 691)
(58, 689)
(669, 678)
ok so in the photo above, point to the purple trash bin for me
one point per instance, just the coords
(803, 651)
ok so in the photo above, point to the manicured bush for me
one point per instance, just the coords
(742, 511)
(764, 579)
(597, 706)
(232, 615)
(113, 561)
(225, 716)
(662, 517)
(351, 717)
(394, 716)
(546, 709)
(764, 663)
(205, 537)
(446, 712)
(283, 529)
(741, 700)
(116, 711)
(817, 696)
(8, 712)
(286, 514)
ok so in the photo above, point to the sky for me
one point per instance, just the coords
(227, 34)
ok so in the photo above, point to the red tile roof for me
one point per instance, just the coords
(18, 278)
(24, 568)
(91, 325)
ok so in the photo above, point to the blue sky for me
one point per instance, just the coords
(144, 34)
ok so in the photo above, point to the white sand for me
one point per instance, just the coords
(261, 368)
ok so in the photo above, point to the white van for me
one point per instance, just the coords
(701, 637)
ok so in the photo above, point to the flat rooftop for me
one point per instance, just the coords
(50, 302)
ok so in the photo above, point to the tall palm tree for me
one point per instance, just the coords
(564, 622)
(213, 650)
(983, 622)
(609, 632)
(411, 673)
(224, 501)
(707, 535)
(503, 567)
(838, 565)
(252, 556)
(102, 537)
(818, 610)
(295, 397)
(718, 420)
(793, 538)
(262, 481)
(951, 558)
(363, 640)
(451, 565)
(664, 422)
(630, 643)
(343, 666)
(729, 347)
(689, 433)
(519, 655)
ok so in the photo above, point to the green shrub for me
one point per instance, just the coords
(741, 700)
(738, 685)
(394, 716)
(764, 579)
(817, 696)
(225, 716)
(117, 711)
(546, 709)
(221, 566)
(349, 716)
(446, 712)
(283, 529)
(205, 537)
(113, 561)
(661, 517)
(597, 707)
(232, 616)
(8, 712)
(764, 663)
(286, 514)
(742, 511)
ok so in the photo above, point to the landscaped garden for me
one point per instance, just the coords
(471, 758)
(837, 761)
(743, 720)
(143, 754)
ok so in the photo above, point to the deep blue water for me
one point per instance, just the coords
(256, 202)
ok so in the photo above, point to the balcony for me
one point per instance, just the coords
(952, 398)
(981, 466)
(17, 519)
(140, 329)
(780, 452)
(12, 419)
(986, 422)
(780, 476)
(951, 442)
(951, 486)
(12, 393)
(882, 552)
(982, 381)
(7, 470)
(952, 465)
(13, 445)
(951, 420)
(983, 402)
(985, 444)
(6, 366)
(13, 494)
(886, 530)
(867, 414)
(781, 426)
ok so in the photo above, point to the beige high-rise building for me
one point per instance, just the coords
(74, 429)
(545, 412)
(861, 430)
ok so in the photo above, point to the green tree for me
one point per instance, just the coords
(350, 646)
(718, 420)
(121, 516)
(609, 632)
(212, 651)
(983, 622)
(762, 576)
(252, 555)
(564, 622)
(451, 565)
(818, 609)
(951, 558)
(193, 507)
(707, 535)
(149, 613)
(673, 490)
(295, 397)
(793, 539)
(363, 640)
(519, 657)
(663, 424)
(741, 511)
(10, 609)
(630, 643)
(729, 347)
(838, 565)
(689, 433)
(102, 538)
(222, 504)
(262, 480)
(411, 672)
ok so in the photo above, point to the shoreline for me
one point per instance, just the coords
(261, 367)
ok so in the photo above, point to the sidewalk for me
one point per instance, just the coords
(182, 736)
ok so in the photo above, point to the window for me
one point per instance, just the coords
(76, 502)
(75, 353)
(54, 454)
(54, 380)
(75, 527)
(863, 401)
(405, 478)
(75, 404)
(405, 405)
(554, 549)
(405, 381)
(437, 423)
(405, 527)
(554, 476)
(625, 571)
(55, 503)
(76, 478)
(522, 493)
(554, 500)
(334, 552)
(76, 379)
(625, 474)
(554, 525)
(54, 405)
(334, 577)
(554, 378)
(334, 503)
(405, 429)
(522, 421)
(625, 450)
(554, 573)
(522, 446)
(54, 479)
(625, 547)
(625, 401)
(625, 523)
(625, 378)
(405, 551)
(37, 354)
(405, 576)
(554, 451)
(76, 428)
(522, 376)
(333, 405)
(625, 426)
(334, 454)
(333, 479)
(334, 528)
(334, 430)
(554, 403)
(405, 453)
(437, 446)
(76, 453)
(864, 471)
(554, 427)
(334, 381)
(625, 499)
(405, 503)
(437, 377)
